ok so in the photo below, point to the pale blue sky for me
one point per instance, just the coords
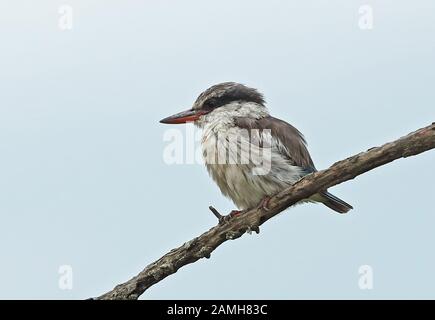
(82, 181)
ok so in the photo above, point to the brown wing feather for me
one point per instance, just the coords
(296, 151)
(291, 138)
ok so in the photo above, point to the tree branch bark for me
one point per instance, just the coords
(203, 245)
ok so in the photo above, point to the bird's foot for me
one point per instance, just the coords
(228, 217)
(264, 204)
(224, 218)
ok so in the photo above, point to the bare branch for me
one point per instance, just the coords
(202, 246)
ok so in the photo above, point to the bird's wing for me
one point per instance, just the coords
(292, 142)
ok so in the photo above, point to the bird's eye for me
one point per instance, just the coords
(209, 104)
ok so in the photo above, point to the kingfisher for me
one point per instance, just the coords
(232, 112)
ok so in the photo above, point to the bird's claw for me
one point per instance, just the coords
(228, 217)
(255, 229)
(264, 204)
(224, 218)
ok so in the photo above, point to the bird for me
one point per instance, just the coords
(231, 111)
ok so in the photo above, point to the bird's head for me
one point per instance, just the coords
(227, 99)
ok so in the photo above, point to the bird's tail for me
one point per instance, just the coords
(334, 203)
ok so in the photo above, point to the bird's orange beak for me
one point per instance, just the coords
(183, 117)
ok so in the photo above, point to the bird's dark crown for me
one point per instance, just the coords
(226, 92)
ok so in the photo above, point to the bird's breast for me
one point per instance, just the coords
(242, 167)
